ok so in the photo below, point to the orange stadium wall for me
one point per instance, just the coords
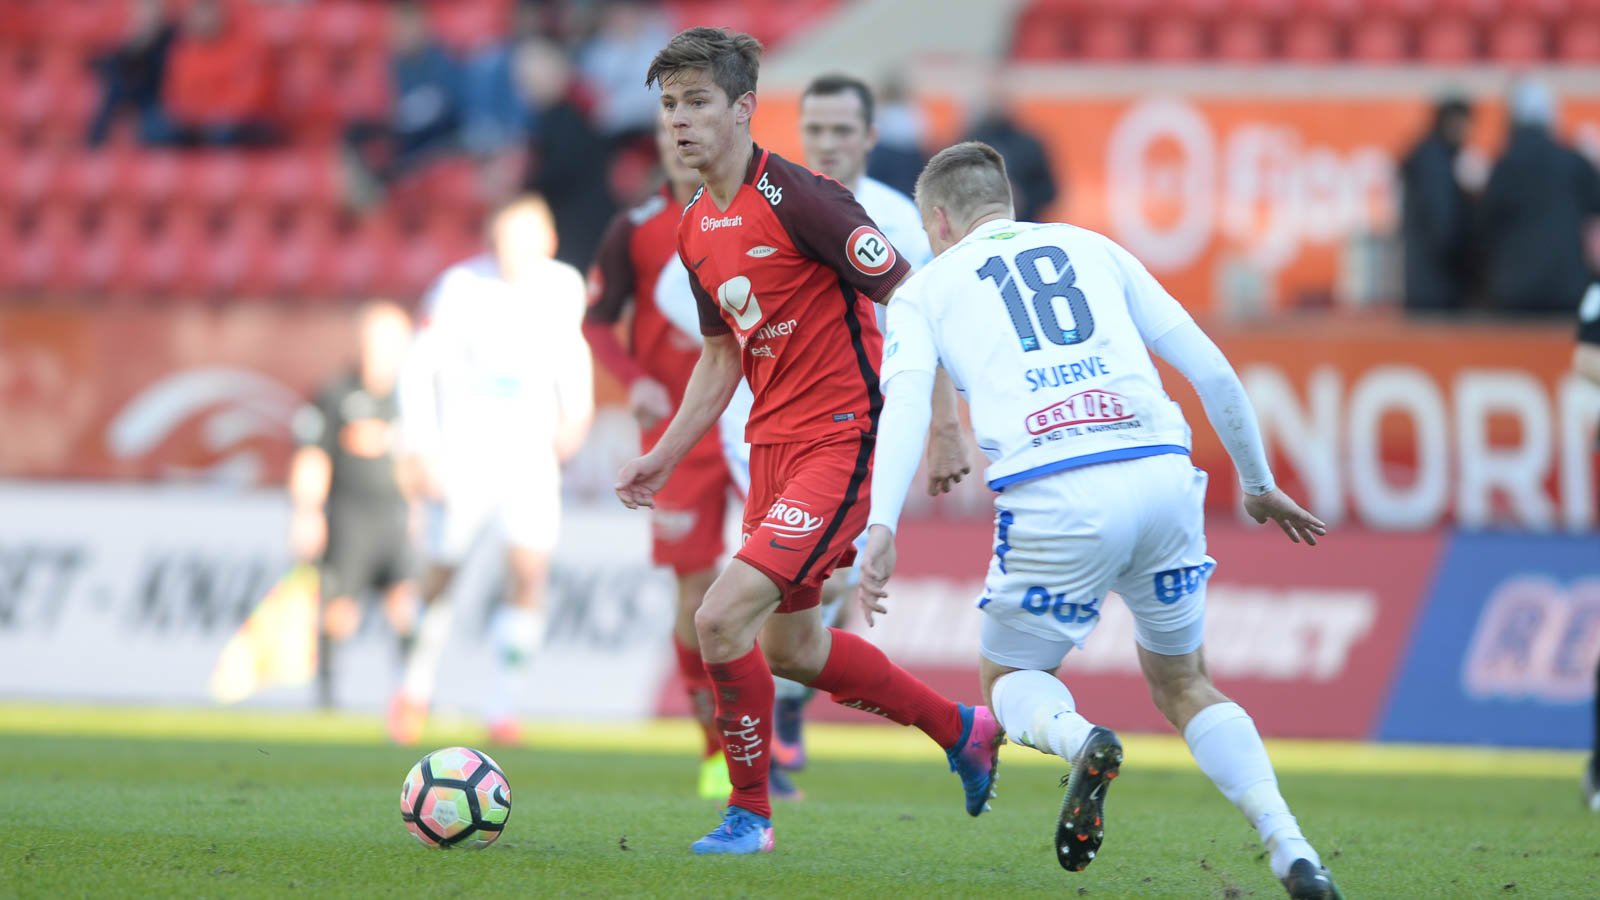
(1212, 191)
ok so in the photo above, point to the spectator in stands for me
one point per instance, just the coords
(131, 74)
(613, 64)
(1541, 197)
(218, 84)
(1033, 184)
(897, 159)
(1436, 214)
(567, 160)
(425, 118)
(496, 117)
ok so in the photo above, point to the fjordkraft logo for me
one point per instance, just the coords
(709, 224)
(1086, 408)
(736, 297)
(869, 251)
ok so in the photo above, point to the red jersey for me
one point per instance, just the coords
(794, 264)
(636, 247)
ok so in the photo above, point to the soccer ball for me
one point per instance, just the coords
(455, 797)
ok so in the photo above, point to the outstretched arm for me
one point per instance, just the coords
(1233, 418)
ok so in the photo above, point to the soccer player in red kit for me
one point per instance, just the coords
(785, 266)
(686, 525)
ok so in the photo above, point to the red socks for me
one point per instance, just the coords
(858, 675)
(697, 684)
(744, 717)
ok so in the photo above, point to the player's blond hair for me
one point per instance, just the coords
(732, 58)
(966, 180)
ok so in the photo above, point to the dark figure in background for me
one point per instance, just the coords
(1586, 362)
(425, 118)
(897, 159)
(350, 514)
(131, 74)
(1033, 184)
(1436, 215)
(1540, 197)
(568, 160)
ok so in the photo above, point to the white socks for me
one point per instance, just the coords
(1226, 745)
(517, 633)
(422, 664)
(1036, 709)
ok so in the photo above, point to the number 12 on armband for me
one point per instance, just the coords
(1044, 293)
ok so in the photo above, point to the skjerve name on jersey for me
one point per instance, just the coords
(1066, 373)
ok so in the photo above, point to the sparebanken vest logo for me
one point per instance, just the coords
(736, 297)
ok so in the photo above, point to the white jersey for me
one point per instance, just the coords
(496, 365)
(1044, 328)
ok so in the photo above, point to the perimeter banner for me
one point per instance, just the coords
(1379, 423)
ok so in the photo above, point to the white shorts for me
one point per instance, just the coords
(1065, 541)
(522, 504)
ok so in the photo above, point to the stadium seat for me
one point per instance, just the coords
(1448, 39)
(215, 180)
(1040, 39)
(237, 259)
(1310, 40)
(1579, 42)
(1176, 39)
(347, 25)
(1379, 39)
(158, 178)
(42, 263)
(105, 260)
(1518, 40)
(1108, 37)
(167, 268)
(1243, 39)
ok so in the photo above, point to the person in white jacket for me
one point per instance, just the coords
(498, 391)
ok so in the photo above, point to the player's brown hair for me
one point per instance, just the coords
(833, 85)
(732, 58)
(967, 180)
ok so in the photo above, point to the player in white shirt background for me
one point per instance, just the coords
(498, 391)
(837, 134)
(1047, 330)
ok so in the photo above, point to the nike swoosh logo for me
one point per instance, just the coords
(702, 261)
(500, 796)
(773, 543)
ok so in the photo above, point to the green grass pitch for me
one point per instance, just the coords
(115, 803)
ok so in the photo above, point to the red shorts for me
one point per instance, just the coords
(807, 503)
(687, 521)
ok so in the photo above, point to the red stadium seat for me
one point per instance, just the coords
(1243, 39)
(363, 263)
(298, 257)
(43, 263)
(1519, 40)
(168, 266)
(1450, 39)
(1175, 39)
(1108, 38)
(94, 178)
(1579, 42)
(1310, 40)
(348, 24)
(216, 179)
(158, 179)
(107, 256)
(237, 260)
(1040, 39)
(1379, 40)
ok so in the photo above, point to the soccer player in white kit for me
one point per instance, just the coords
(497, 393)
(1045, 329)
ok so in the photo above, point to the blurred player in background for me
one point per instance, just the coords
(687, 522)
(1586, 362)
(497, 393)
(794, 264)
(1090, 460)
(837, 133)
(350, 514)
